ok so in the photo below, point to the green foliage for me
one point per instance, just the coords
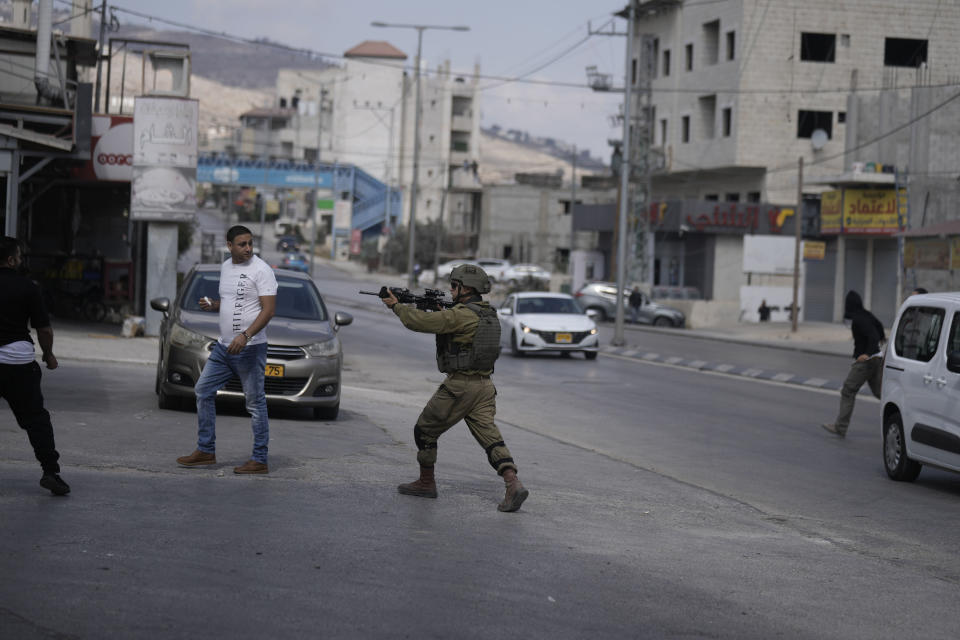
(425, 251)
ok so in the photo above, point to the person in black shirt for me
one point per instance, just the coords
(20, 303)
(635, 301)
(764, 311)
(867, 366)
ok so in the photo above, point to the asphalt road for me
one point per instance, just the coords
(664, 503)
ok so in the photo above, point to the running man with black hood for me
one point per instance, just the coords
(868, 335)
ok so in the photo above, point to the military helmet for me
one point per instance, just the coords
(470, 275)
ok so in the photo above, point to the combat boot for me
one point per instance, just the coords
(516, 493)
(424, 487)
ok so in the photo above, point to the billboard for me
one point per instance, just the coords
(870, 211)
(164, 159)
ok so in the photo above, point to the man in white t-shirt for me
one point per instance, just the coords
(248, 299)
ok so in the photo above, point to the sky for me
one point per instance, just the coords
(506, 38)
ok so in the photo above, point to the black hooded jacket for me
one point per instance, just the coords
(867, 330)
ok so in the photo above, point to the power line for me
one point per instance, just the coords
(313, 55)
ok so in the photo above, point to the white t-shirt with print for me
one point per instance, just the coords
(241, 286)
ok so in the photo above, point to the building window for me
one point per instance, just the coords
(731, 44)
(566, 205)
(633, 71)
(708, 116)
(663, 131)
(727, 121)
(818, 47)
(841, 117)
(810, 121)
(655, 56)
(732, 197)
(688, 56)
(711, 42)
(711, 197)
(753, 196)
(685, 129)
(666, 62)
(904, 52)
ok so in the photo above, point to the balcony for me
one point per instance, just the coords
(462, 123)
(464, 179)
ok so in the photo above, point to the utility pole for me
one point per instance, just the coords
(797, 221)
(411, 247)
(103, 33)
(625, 166)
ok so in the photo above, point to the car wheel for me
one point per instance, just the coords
(326, 413)
(601, 314)
(895, 460)
(166, 401)
(662, 322)
(514, 349)
(590, 355)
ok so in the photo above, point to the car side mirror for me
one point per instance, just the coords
(593, 314)
(341, 319)
(953, 361)
(160, 304)
(506, 311)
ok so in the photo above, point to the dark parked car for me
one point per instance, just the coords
(288, 243)
(602, 298)
(304, 356)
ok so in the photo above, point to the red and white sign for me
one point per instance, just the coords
(111, 155)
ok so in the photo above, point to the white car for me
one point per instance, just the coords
(519, 272)
(541, 321)
(494, 267)
(921, 387)
(444, 268)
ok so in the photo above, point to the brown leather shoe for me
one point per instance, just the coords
(196, 459)
(423, 487)
(251, 466)
(515, 494)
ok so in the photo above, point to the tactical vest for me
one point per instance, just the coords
(476, 356)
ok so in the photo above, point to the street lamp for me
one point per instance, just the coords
(411, 282)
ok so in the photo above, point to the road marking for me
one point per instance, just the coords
(784, 377)
(723, 368)
(816, 382)
(751, 378)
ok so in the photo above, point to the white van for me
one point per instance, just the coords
(921, 387)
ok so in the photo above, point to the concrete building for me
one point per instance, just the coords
(530, 221)
(741, 89)
(362, 113)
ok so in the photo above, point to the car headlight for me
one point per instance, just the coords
(524, 328)
(183, 337)
(325, 349)
(593, 331)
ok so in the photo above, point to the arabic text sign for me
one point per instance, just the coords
(814, 250)
(870, 211)
(164, 159)
(926, 253)
(831, 212)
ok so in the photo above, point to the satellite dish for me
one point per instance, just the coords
(818, 139)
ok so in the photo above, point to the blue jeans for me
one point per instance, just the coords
(249, 365)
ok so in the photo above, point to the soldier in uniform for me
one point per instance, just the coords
(468, 343)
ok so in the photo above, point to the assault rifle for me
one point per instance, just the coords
(431, 300)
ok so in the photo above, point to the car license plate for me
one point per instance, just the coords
(564, 338)
(274, 371)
